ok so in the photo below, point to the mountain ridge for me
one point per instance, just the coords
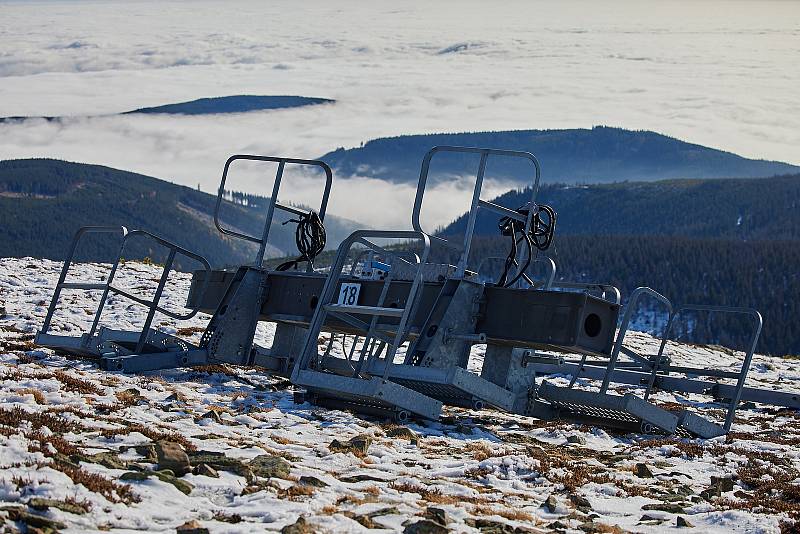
(44, 201)
(600, 154)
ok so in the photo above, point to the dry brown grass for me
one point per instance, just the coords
(79, 385)
(128, 397)
(508, 513)
(37, 394)
(435, 495)
(280, 439)
(772, 489)
(188, 331)
(296, 492)
(153, 433)
(372, 490)
(113, 491)
(17, 417)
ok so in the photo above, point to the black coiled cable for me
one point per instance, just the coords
(540, 236)
(309, 236)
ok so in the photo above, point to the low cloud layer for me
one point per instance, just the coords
(703, 72)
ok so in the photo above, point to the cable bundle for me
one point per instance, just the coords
(540, 236)
(309, 236)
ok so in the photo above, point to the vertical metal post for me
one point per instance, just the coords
(262, 247)
(473, 215)
(737, 395)
(104, 296)
(156, 298)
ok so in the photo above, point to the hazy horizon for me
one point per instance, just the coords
(720, 74)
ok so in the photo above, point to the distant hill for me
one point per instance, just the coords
(217, 105)
(600, 154)
(743, 209)
(43, 202)
(233, 104)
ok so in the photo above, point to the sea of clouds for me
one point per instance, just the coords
(722, 74)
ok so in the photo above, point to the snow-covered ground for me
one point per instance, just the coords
(76, 447)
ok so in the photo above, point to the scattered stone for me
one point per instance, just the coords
(592, 527)
(106, 459)
(39, 503)
(213, 415)
(206, 471)
(148, 451)
(742, 494)
(425, 526)
(34, 521)
(642, 471)
(550, 504)
(268, 466)
(135, 476)
(164, 475)
(487, 526)
(311, 481)
(361, 478)
(724, 483)
(558, 525)
(437, 514)
(169, 477)
(649, 518)
(192, 527)
(401, 432)
(581, 503)
(359, 445)
(672, 508)
(172, 456)
(682, 522)
(298, 527)
(576, 439)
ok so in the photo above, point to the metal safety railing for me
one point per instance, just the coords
(477, 202)
(374, 342)
(107, 287)
(740, 376)
(273, 200)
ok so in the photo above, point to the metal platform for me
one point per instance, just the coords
(388, 298)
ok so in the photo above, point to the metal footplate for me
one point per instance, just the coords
(453, 386)
(626, 412)
(374, 394)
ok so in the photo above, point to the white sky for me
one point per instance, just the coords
(722, 74)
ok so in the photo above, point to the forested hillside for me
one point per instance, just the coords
(758, 274)
(600, 154)
(43, 202)
(733, 208)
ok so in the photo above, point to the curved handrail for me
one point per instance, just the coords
(758, 323)
(477, 202)
(61, 283)
(273, 201)
(637, 294)
(174, 249)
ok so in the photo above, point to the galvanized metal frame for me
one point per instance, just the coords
(477, 202)
(273, 201)
(108, 287)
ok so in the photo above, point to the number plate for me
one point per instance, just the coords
(348, 294)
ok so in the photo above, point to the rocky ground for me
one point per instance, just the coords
(225, 449)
